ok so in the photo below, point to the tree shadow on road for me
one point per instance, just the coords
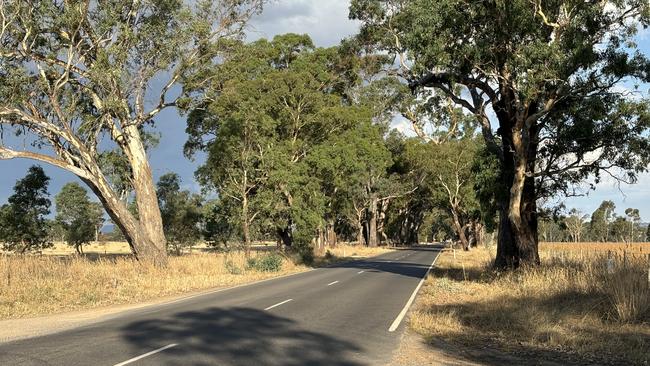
(236, 336)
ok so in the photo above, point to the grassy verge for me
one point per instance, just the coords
(39, 285)
(573, 304)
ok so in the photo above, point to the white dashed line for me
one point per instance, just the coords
(278, 304)
(331, 283)
(360, 272)
(146, 354)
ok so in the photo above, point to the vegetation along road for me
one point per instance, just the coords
(348, 314)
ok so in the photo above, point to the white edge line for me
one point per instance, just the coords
(131, 360)
(402, 313)
(331, 283)
(278, 304)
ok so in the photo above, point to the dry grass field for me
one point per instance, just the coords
(578, 302)
(36, 285)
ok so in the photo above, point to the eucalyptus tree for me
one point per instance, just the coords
(76, 73)
(601, 220)
(259, 127)
(547, 75)
(77, 215)
(23, 222)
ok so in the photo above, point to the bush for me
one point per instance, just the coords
(232, 268)
(267, 263)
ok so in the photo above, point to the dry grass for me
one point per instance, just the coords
(595, 247)
(36, 285)
(573, 303)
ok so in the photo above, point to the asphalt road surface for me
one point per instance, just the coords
(348, 314)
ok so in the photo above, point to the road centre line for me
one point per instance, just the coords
(360, 272)
(402, 313)
(146, 354)
(331, 283)
(278, 304)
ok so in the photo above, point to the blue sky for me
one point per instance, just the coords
(327, 23)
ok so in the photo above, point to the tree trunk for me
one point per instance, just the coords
(142, 245)
(458, 227)
(246, 226)
(372, 222)
(518, 239)
(331, 235)
(149, 216)
(285, 236)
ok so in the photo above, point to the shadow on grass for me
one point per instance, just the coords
(550, 329)
(236, 336)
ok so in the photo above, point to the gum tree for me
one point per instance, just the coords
(80, 78)
(543, 81)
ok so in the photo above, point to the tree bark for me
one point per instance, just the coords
(372, 222)
(460, 230)
(518, 238)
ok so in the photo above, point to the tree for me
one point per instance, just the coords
(647, 234)
(546, 74)
(634, 219)
(181, 213)
(75, 73)
(448, 172)
(601, 220)
(23, 225)
(574, 224)
(77, 215)
(260, 128)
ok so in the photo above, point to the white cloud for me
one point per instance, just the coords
(326, 21)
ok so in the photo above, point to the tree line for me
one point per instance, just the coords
(604, 225)
(297, 136)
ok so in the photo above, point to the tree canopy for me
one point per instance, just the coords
(545, 74)
(23, 223)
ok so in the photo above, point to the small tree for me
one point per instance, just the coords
(647, 234)
(181, 213)
(575, 224)
(23, 226)
(77, 215)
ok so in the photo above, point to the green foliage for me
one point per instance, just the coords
(269, 107)
(540, 79)
(271, 262)
(601, 219)
(181, 213)
(23, 226)
(79, 218)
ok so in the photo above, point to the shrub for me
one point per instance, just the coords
(232, 268)
(267, 263)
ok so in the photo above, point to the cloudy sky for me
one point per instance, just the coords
(327, 23)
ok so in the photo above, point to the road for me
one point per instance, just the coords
(338, 315)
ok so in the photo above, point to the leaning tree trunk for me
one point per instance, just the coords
(458, 227)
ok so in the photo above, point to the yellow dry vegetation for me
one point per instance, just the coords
(589, 305)
(43, 284)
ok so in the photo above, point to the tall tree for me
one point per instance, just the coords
(634, 219)
(575, 224)
(601, 220)
(23, 226)
(77, 215)
(74, 73)
(544, 73)
(181, 213)
(260, 127)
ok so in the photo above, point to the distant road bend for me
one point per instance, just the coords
(348, 314)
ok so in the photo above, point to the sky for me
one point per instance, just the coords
(327, 23)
